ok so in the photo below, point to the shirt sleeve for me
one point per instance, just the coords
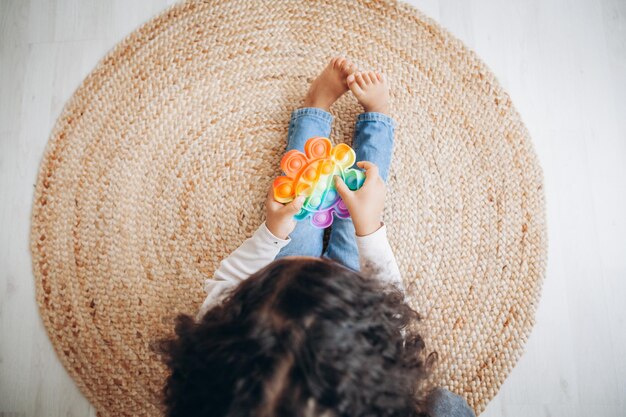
(254, 254)
(376, 258)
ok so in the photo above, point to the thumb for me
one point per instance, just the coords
(295, 206)
(344, 192)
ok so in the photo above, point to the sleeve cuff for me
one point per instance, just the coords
(375, 116)
(373, 239)
(267, 237)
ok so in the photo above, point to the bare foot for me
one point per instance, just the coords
(371, 89)
(330, 84)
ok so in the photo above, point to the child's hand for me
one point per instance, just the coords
(279, 217)
(365, 204)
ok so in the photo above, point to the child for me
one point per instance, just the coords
(304, 335)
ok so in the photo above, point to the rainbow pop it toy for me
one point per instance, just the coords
(311, 174)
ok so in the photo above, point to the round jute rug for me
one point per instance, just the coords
(160, 162)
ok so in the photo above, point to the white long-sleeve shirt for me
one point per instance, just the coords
(376, 260)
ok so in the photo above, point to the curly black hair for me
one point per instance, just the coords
(301, 337)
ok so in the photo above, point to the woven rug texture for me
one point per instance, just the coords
(159, 164)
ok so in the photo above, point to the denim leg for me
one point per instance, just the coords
(443, 403)
(305, 123)
(373, 141)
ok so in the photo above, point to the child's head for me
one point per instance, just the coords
(301, 337)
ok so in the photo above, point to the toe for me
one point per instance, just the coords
(366, 77)
(379, 77)
(374, 77)
(342, 64)
(345, 66)
(353, 85)
(350, 67)
(339, 63)
(359, 79)
(333, 62)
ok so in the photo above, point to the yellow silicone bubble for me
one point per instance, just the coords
(303, 189)
(327, 168)
(344, 155)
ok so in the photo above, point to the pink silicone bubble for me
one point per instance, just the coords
(322, 219)
(341, 210)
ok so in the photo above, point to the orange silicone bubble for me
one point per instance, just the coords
(311, 173)
(303, 189)
(283, 189)
(317, 147)
(327, 168)
(292, 162)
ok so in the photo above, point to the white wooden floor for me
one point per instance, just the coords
(564, 64)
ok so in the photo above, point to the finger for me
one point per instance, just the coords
(295, 206)
(270, 193)
(371, 170)
(270, 202)
(273, 206)
(344, 192)
(270, 196)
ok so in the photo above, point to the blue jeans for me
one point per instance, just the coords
(373, 141)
